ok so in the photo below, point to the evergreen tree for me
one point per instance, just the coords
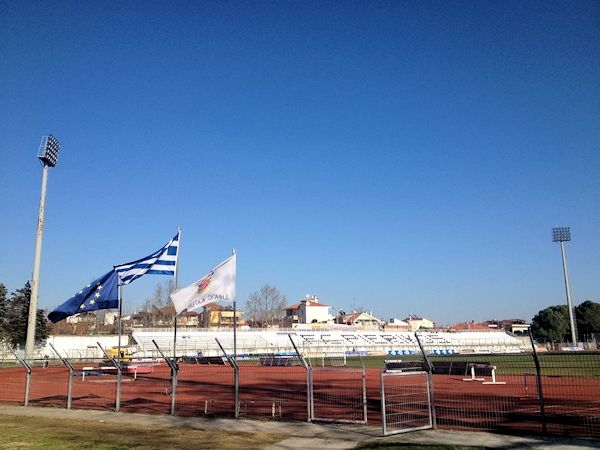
(17, 316)
(3, 310)
(552, 324)
(588, 318)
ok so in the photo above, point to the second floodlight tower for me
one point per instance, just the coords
(562, 235)
(48, 156)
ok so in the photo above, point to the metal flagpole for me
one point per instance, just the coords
(174, 333)
(119, 325)
(176, 287)
(235, 318)
(119, 361)
(173, 364)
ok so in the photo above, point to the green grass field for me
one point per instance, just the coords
(393, 446)
(554, 364)
(20, 432)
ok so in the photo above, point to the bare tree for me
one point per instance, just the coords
(158, 307)
(265, 307)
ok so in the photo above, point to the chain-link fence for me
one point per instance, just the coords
(520, 392)
(406, 403)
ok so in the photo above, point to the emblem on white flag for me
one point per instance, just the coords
(217, 285)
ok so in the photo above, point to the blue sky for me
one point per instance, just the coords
(407, 157)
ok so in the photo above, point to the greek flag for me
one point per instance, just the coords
(161, 262)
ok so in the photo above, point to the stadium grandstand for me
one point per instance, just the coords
(262, 341)
(308, 342)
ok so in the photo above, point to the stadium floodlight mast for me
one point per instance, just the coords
(48, 155)
(562, 235)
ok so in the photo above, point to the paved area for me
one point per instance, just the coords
(311, 435)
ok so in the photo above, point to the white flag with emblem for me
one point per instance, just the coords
(218, 285)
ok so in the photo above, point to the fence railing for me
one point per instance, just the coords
(522, 393)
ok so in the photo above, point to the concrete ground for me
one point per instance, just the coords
(311, 435)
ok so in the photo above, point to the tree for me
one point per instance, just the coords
(17, 310)
(588, 318)
(158, 307)
(552, 324)
(266, 306)
(3, 310)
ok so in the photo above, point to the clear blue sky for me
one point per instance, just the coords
(407, 157)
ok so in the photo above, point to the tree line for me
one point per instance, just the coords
(552, 323)
(263, 308)
(14, 314)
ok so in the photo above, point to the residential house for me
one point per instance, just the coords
(360, 319)
(306, 311)
(216, 315)
(470, 326)
(418, 323)
(396, 325)
(189, 319)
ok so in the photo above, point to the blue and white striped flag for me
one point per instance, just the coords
(161, 262)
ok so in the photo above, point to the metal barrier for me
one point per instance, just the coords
(338, 395)
(405, 402)
(262, 387)
(520, 393)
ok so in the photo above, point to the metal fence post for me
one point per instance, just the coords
(174, 373)
(236, 380)
(538, 373)
(430, 382)
(236, 391)
(364, 389)
(383, 415)
(28, 377)
(310, 405)
(118, 367)
(67, 363)
(309, 382)
(27, 385)
(172, 363)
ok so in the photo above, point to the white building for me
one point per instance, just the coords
(360, 319)
(102, 317)
(396, 324)
(418, 323)
(308, 311)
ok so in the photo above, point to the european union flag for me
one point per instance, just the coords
(99, 294)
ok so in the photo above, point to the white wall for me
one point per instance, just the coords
(318, 313)
(81, 346)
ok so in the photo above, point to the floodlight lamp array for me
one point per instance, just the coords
(49, 148)
(561, 234)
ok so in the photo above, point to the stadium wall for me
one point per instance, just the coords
(262, 341)
(329, 342)
(80, 346)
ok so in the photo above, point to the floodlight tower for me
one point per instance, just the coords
(562, 235)
(48, 155)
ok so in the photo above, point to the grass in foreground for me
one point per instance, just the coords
(391, 446)
(20, 432)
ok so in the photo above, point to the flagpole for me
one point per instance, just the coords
(176, 287)
(120, 314)
(120, 361)
(234, 320)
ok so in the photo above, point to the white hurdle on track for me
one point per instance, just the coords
(481, 379)
(473, 378)
(494, 378)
